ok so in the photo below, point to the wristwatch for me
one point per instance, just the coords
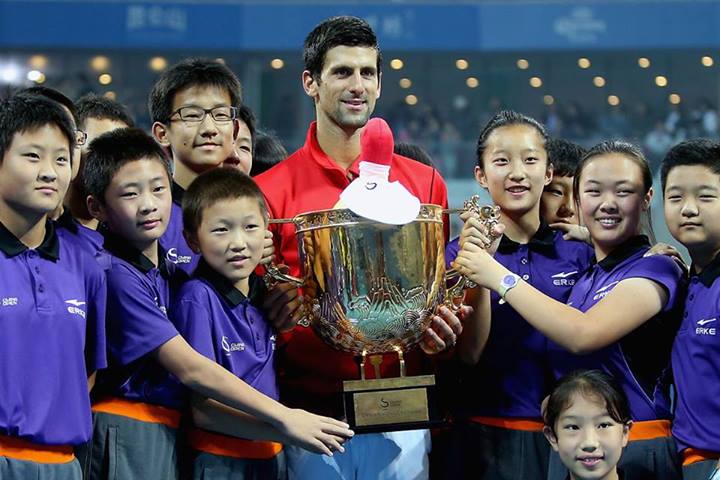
(508, 281)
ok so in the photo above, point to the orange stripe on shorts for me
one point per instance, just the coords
(233, 447)
(525, 424)
(694, 455)
(18, 449)
(143, 412)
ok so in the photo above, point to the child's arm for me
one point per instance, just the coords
(630, 304)
(202, 375)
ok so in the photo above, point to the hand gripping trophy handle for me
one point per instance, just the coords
(489, 216)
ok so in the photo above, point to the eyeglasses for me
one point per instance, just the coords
(80, 137)
(197, 114)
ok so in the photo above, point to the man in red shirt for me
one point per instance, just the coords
(342, 76)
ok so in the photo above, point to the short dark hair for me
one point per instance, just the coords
(268, 152)
(109, 152)
(699, 151)
(564, 156)
(415, 152)
(54, 95)
(215, 186)
(591, 384)
(246, 115)
(102, 108)
(334, 32)
(191, 72)
(20, 113)
(506, 118)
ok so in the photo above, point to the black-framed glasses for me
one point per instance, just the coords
(80, 137)
(197, 114)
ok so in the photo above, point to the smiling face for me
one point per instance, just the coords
(692, 208)
(515, 169)
(612, 200)
(137, 202)
(558, 202)
(35, 171)
(588, 440)
(348, 87)
(230, 238)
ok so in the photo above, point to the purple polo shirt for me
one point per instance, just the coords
(226, 326)
(513, 375)
(696, 364)
(138, 324)
(73, 231)
(173, 242)
(52, 334)
(642, 372)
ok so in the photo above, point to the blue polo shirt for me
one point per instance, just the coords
(696, 364)
(513, 375)
(640, 360)
(52, 334)
(75, 232)
(138, 324)
(227, 327)
(173, 242)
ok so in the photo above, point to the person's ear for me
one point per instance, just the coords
(310, 84)
(551, 437)
(96, 208)
(192, 241)
(161, 134)
(480, 177)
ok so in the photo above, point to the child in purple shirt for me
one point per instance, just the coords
(616, 307)
(217, 312)
(138, 412)
(52, 300)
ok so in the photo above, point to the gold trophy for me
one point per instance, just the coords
(372, 288)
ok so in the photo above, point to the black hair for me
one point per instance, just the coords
(591, 384)
(564, 156)
(343, 31)
(215, 186)
(506, 118)
(415, 152)
(268, 152)
(628, 150)
(698, 151)
(188, 73)
(53, 95)
(247, 116)
(102, 108)
(109, 152)
(22, 112)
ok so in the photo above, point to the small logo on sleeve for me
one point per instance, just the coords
(231, 347)
(603, 291)
(74, 307)
(561, 279)
(172, 256)
(9, 301)
(701, 329)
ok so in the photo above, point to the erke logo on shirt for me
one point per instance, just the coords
(9, 301)
(74, 307)
(230, 347)
(603, 291)
(172, 256)
(561, 279)
(701, 329)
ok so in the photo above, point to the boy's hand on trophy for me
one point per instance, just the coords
(442, 332)
(573, 232)
(268, 255)
(315, 433)
(282, 305)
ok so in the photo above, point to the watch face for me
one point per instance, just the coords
(509, 280)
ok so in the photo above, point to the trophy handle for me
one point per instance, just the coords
(273, 276)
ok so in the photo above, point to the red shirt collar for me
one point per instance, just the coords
(321, 157)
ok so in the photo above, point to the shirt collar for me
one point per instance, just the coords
(544, 238)
(711, 272)
(10, 245)
(227, 290)
(322, 158)
(121, 248)
(622, 252)
(178, 193)
(66, 221)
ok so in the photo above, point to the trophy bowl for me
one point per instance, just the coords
(370, 287)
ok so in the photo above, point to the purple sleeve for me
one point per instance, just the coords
(135, 324)
(662, 270)
(95, 347)
(451, 252)
(193, 321)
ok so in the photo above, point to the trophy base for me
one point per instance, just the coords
(391, 404)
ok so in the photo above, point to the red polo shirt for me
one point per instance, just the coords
(311, 372)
